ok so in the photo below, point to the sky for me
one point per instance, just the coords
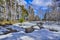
(38, 5)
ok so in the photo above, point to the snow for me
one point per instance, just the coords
(16, 24)
(36, 27)
(26, 38)
(52, 25)
(4, 36)
(15, 28)
(37, 34)
(2, 30)
(26, 25)
(43, 34)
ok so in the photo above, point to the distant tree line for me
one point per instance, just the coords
(54, 13)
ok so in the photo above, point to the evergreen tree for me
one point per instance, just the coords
(24, 12)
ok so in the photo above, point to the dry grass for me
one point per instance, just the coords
(8, 22)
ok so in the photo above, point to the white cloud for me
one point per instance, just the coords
(21, 2)
(42, 2)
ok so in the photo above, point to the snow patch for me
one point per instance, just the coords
(26, 38)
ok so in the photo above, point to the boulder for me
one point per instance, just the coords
(29, 30)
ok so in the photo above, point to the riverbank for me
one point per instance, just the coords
(2, 23)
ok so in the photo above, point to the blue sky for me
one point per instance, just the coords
(28, 1)
(39, 5)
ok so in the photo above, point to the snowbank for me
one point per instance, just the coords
(43, 34)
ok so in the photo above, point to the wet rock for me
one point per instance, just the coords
(10, 31)
(53, 30)
(29, 30)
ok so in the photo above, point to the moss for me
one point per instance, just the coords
(21, 20)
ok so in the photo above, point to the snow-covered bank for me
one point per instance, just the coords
(24, 24)
(52, 26)
(4, 36)
(37, 34)
(43, 34)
